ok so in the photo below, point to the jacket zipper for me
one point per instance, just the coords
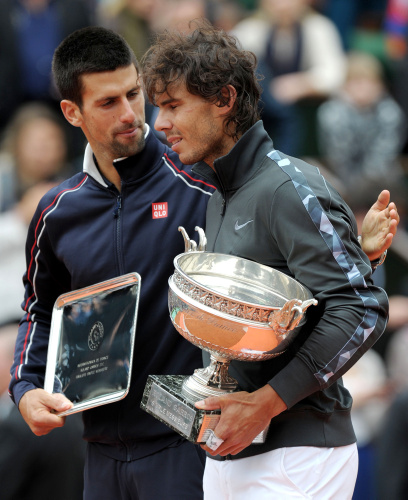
(117, 217)
(222, 214)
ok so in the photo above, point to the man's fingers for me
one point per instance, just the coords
(211, 403)
(60, 403)
(213, 442)
(42, 421)
(393, 227)
(45, 426)
(38, 409)
(382, 200)
(226, 448)
(394, 213)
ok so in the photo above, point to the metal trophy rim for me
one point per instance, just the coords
(215, 300)
(197, 303)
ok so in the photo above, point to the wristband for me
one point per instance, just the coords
(377, 262)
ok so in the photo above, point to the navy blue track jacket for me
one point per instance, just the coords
(83, 232)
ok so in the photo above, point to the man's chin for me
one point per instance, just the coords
(125, 150)
(189, 159)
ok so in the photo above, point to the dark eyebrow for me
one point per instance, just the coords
(110, 98)
(168, 101)
(137, 87)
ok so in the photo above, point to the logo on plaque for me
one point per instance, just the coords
(95, 336)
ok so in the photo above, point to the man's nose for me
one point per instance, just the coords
(162, 123)
(127, 114)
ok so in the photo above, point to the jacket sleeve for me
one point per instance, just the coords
(317, 237)
(44, 280)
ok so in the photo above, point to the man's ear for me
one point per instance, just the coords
(229, 92)
(71, 112)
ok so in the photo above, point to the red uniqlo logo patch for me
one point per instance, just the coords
(159, 210)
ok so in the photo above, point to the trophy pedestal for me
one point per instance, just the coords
(164, 399)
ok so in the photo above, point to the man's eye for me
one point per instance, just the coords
(133, 94)
(107, 103)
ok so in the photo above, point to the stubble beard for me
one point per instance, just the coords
(213, 147)
(121, 150)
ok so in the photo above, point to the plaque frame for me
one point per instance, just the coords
(102, 373)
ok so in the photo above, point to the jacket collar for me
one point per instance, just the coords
(234, 169)
(130, 168)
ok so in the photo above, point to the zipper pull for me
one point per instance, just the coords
(223, 207)
(118, 207)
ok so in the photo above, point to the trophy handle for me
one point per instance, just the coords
(202, 244)
(189, 244)
(289, 316)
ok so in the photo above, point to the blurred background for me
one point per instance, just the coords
(334, 79)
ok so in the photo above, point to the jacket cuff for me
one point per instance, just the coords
(294, 382)
(20, 389)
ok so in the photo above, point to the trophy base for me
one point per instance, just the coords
(163, 398)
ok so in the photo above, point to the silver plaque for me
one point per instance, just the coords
(92, 335)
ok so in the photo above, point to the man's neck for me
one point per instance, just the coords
(110, 173)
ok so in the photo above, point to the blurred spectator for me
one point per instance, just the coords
(226, 14)
(176, 14)
(13, 233)
(392, 461)
(138, 20)
(372, 392)
(396, 28)
(301, 56)
(30, 30)
(396, 355)
(172, 14)
(362, 131)
(349, 15)
(132, 19)
(32, 467)
(32, 160)
(396, 36)
(34, 149)
(300, 45)
(392, 441)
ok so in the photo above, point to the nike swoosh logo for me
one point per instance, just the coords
(240, 226)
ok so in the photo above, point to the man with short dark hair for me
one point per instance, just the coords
(279, 211)
(97, 225)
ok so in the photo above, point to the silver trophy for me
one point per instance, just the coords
(235, 309)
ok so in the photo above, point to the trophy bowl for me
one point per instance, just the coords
(234, 307)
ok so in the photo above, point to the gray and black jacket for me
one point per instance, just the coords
(281, 212)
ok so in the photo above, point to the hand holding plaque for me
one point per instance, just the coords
(234, 309)
(92, 336)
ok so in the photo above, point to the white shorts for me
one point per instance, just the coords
(300, 472)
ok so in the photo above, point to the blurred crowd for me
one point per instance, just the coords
(333, 74)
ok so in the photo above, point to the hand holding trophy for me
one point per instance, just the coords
(233, 308)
